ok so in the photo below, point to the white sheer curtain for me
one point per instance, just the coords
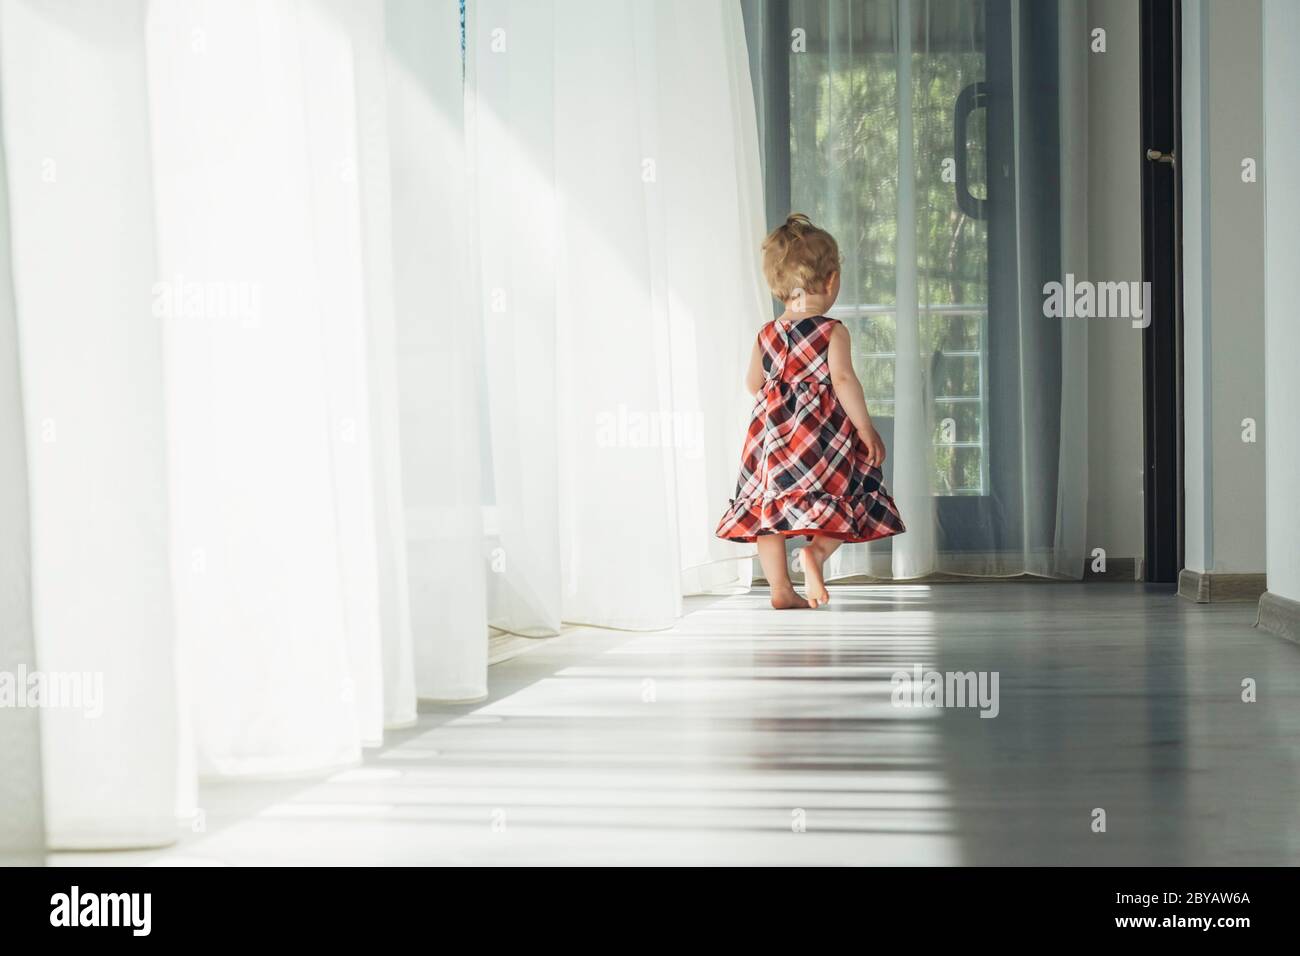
(947, 245)
(77, 151)
(618, 207)
(274, 532)
(219, 253)
(330, 353)
(439, 348)
(280, 189)
(22, 824)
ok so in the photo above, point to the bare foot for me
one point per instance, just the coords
(812, 577)
(786, 598)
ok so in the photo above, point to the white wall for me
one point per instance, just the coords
(1114, 254)
(1223, 286)
(1281, 74)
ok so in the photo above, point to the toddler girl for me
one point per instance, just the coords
(811, 463)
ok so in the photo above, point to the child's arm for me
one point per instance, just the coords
(849, 391)
(754, 374)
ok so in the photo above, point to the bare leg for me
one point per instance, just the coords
(771, 555)
(813, 557)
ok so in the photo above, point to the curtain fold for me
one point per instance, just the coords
(913, 554)
(261, 302)
(510, 102)
(715, 190)
(617, 276)
(439, 349)
(365, 26)
(22, 824)
(91, 355)
(1072, 551)
(340, 557)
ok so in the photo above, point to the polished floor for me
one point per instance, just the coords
(749, 736)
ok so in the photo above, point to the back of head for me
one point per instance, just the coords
(799, 256)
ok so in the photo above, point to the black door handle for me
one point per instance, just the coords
(971, 98)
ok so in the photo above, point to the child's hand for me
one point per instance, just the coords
(875, 447)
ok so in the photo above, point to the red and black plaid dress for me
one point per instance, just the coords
(804, 470)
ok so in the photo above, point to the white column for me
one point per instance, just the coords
(1223, 303)
(1282, 331)
(1198, 475)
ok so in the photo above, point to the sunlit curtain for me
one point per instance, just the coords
(250, 410)
(279, 193)
(439, 348)
(942, 142)
(76, 139)
(616, 181)
(334, 346)
(22, 824)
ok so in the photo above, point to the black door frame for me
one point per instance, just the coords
(1162, 339)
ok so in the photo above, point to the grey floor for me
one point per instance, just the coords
(750, 736)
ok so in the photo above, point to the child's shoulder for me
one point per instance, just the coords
(811, 321)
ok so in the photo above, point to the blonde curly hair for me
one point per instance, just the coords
(798, 255)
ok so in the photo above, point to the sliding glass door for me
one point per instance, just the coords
(926, 135)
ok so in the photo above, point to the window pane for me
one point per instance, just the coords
(956, 375)
(871, 334)
(877, 375)
(954, 333)
(958, 470)
(957, 422)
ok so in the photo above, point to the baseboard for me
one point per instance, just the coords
(1194, 585)
(1118, 571)
(1206, 587)
(1279, 615)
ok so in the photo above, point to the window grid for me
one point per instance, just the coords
(980, 398)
